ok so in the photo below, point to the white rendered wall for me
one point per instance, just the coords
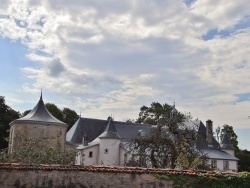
(123, 159)
(231, 152)
(112, 157)
(83, 157)
(233, 165)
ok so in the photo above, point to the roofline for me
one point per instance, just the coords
(38, 122)
(128, 123)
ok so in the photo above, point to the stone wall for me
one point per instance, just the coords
(52, 134)
(26, 177)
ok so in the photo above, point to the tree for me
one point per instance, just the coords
(25, 113)
(38, 151)
(244, 162)
(55, 111)
(151, 115)
(226, 129)
(7, 115)
(170, 144)
(69, 117)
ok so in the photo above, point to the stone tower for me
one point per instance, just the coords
(38, 124)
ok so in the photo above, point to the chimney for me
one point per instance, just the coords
(85, 140)
(209, 132)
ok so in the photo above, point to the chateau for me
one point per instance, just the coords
(103, 142)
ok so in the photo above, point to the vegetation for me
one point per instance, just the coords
(242, 155)
(35, 151)
(7, 115)
(209, 180)
(156, 111)
(171, 144)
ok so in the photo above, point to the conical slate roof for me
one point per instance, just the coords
(225, 143)
(40, 115)
(110, 130)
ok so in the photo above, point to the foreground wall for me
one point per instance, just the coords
(47, 176)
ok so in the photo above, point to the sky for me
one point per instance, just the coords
(110, 57)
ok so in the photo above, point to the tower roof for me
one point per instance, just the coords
(225, 143)
(110, 130)
(40, 115)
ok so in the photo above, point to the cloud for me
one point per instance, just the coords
(114, 57)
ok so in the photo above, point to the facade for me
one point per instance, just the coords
(95, 147)
(104, 142)
(38, 124)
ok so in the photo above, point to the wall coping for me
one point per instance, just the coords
(112, 169)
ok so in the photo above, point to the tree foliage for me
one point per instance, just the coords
(170, 144)
(156, 111)
(244, 162)
(226, 129)
(38, 151)
(69, 117)
(7, 115)
(55, 111)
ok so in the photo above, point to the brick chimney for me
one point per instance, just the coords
(209, 132)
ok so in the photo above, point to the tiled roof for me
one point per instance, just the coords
(111, 169)
(40, 115)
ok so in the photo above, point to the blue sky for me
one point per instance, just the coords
(112, 58)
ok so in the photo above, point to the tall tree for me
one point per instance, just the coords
(55, 111)
(170, 144)
(69, 117)
(7, 115)
(226, 129)
(244, 162)
(152, 114)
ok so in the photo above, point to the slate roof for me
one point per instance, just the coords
(40, 115)
(95, 127)
(219, 154)
(110, 130)
(201, 142)
(225, 143)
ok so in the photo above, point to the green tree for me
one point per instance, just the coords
(244, 162)
(69, 117)
(55, 111)
(170, 144)
(226, 129)
(7, 115)
(25, 113)
(152, 114)
(38, 151)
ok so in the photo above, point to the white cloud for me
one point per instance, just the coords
(114, 57)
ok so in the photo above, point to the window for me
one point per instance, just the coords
(90, 154)
(214, 164)
(225, 165)
(106, 151)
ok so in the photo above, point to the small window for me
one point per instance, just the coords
(225, 165)
(90, 154)
(214, 164)
(106, 151)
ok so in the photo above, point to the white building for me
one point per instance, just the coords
(107, 138)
